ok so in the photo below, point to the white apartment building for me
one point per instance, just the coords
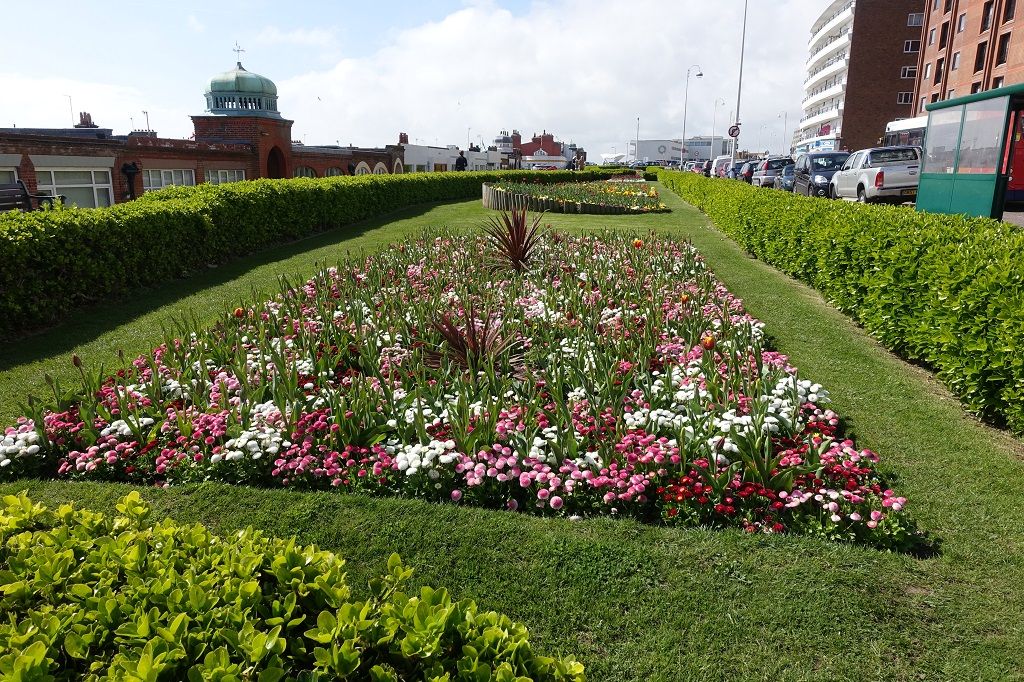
(421, 158)
(828, 65)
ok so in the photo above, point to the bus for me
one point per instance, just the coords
(905, 131)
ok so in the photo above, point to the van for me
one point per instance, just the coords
(720, 165)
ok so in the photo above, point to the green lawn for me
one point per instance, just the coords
(644, 603)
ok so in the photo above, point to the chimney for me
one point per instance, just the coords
(403, 138)
(85, 120)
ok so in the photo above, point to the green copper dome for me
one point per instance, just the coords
(242, 93)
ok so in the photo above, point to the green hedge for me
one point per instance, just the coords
(944, 290)
(56, 261)
(86, 596)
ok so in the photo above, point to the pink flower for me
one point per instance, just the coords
(556, 502)
(512, 505)
(456, 495)
(543, 494)
(875, 515)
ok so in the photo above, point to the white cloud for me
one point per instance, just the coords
(311, 37)
(583, 69)
(195, 25)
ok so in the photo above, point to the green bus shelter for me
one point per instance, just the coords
(969, 149)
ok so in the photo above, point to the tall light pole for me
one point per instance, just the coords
(714, 121)
(636, 149)
(739, 88)
(785, 126)
(686, 97)
(760, 137)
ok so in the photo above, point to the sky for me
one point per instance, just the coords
(443, 71)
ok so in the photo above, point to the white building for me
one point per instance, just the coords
(701, 148)
(828, 64)
(654, 150)
(420, 158)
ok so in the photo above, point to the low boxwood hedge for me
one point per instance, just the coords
(86, 596)
(56, 261)
(940, 289)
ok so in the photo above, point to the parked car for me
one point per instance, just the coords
(746, 173)
(765, 171)
(784, 180)
(814, 171)
(720, 165)
(734, 170)
(878, 174)
(706, 169)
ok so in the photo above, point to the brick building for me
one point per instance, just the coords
(242, 136)
(861, 71)
(968, 46)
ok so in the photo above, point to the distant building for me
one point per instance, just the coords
(419, 158)
(541, 151)
(967, 46)
(241, 137)
(701, 148)
(861, 69)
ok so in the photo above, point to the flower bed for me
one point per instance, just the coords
(592, 375)
(577, 197)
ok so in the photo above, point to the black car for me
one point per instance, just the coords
(814, 171)
(784, 180)
(747, 171)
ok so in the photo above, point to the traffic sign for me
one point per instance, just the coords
(734, 131)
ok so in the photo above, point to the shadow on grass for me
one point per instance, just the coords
(89, 323)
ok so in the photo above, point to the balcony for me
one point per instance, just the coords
(820, 116)
(842, 16)
(831, 45)
(830, 88)
(834, 66)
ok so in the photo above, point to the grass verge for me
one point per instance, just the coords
(646, 603)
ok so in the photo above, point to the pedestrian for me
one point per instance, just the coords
(461, 162)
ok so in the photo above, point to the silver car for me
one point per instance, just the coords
(765, 172)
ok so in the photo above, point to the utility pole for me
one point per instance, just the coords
(636, 150)
(146, 114)
(71, 109)
(739, 89)
(686, 97)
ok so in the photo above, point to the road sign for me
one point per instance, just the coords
(734, 131)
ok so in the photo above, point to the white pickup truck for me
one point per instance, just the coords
(878, 174)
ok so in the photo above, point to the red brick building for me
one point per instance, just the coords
(968, 46)
(861, 71)
(241, 137)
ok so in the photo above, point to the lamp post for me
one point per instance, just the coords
(739, 88)
(785, 126)
(636, 149)
(714, 121)
(760, 137)
(686, 97)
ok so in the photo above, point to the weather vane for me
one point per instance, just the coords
(238, 51)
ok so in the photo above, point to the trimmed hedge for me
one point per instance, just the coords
(56, 261)
(944, 290)
(86, 596)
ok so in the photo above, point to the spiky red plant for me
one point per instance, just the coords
(514, 238)
(473, 344)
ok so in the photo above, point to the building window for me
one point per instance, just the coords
(82, 187)
(219, 177)
(1002, 49)
(380, 169)
(1009, 9)
(938, 70)
(948, 7)
(935, 97)
(904, 97)
(924, 103)
(363, 169)
(908, 72)
(986, 16)
(954, 63)
(911, 46)
(928, 70)
(304, 172)
(949, 93)
(931, 36)
(915, 19)
(975, 87)
(961, 23)
(979, 57)
(8, 176)
(943, 35)
(154, 178)
(935, 5)
(997, 82)
(332, 172)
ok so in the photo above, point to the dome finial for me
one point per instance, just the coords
(238, 53)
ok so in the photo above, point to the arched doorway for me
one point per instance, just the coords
(275, 164)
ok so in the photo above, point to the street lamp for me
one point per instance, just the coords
(785, 125)
(739, 87)
(760, 136)
(686, 97)
(714, 121)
